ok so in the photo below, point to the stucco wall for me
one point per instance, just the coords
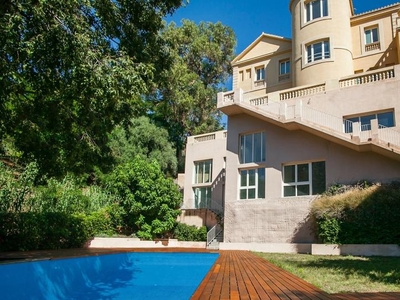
(281, 220)
(199, 148)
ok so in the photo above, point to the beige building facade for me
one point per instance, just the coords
(305, 113)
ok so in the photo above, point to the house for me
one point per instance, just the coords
(305, 113)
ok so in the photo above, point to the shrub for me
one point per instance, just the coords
(150, 200)
(15, 188)
(359, 216)
(184, 232)
(39, 231)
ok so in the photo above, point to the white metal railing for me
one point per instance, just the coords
(321, 118)
(213, 233)
(300, 92)
(378, 75)
(365, 135)
(348, 126)
(389, 136)
(290, 112)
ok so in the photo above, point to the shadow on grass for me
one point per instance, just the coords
(377, 269)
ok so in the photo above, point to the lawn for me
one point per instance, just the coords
(338, 274)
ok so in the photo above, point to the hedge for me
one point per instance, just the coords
(368, 216)
(51, 230)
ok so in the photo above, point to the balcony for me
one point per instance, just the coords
(312, 109)
(239, 95)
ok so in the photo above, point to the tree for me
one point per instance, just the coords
(185, 101)
(71, 70)
(142, 137)
(150, 200)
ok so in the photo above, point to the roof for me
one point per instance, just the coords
(257, 41)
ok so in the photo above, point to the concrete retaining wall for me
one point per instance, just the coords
(268, 247)
(314, 249)
(137, 243)
(360, 250)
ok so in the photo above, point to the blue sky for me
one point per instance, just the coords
(250, 18)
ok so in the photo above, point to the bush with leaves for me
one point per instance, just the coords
(359, 216)
(151, 201)
(184, 232)
(15, 187)
(39, 231)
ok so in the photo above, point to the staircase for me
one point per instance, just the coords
(215, 236)
(274, 108)
(385, 141)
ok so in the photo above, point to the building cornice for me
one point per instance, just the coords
(261, 57)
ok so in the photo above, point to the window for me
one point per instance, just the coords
(252, 184)
(260, 74)
(371, 35)
(252, 148)
(203, 171)
(385, 119)
(304, 179)
(318, 51)
(284, 69)
(202, 197)
(372, 39)
(316, 9)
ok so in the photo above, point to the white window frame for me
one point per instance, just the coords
(256, 186)
(370, 30)
(310, 49)
(260, 73)
(310, 6)
(286, 64)
(297, 183)
(375, 46)
(372, 45)
(242, 147)
(202, 164)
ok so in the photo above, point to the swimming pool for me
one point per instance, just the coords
(114, 276)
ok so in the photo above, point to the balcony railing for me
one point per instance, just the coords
(203, 138)
(228, 97)
(369, 77)
(373, 46)
(217, 135)
(259, 101)
(300, 92)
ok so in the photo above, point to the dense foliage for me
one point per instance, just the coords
(150, 200)
(71, 70)
(185, 102)
(184, 232)
(362, 215)
(135, 198)
(96, 101)
(141, 137)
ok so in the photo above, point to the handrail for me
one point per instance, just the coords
(213, 233)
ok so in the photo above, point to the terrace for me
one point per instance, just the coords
(301, 108)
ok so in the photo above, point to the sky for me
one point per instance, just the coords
(250, 18)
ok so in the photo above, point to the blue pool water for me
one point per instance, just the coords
(115, 276)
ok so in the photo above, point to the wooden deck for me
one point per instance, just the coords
(236, 275)
(243, 275)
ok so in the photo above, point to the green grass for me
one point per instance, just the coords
(340, 274)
